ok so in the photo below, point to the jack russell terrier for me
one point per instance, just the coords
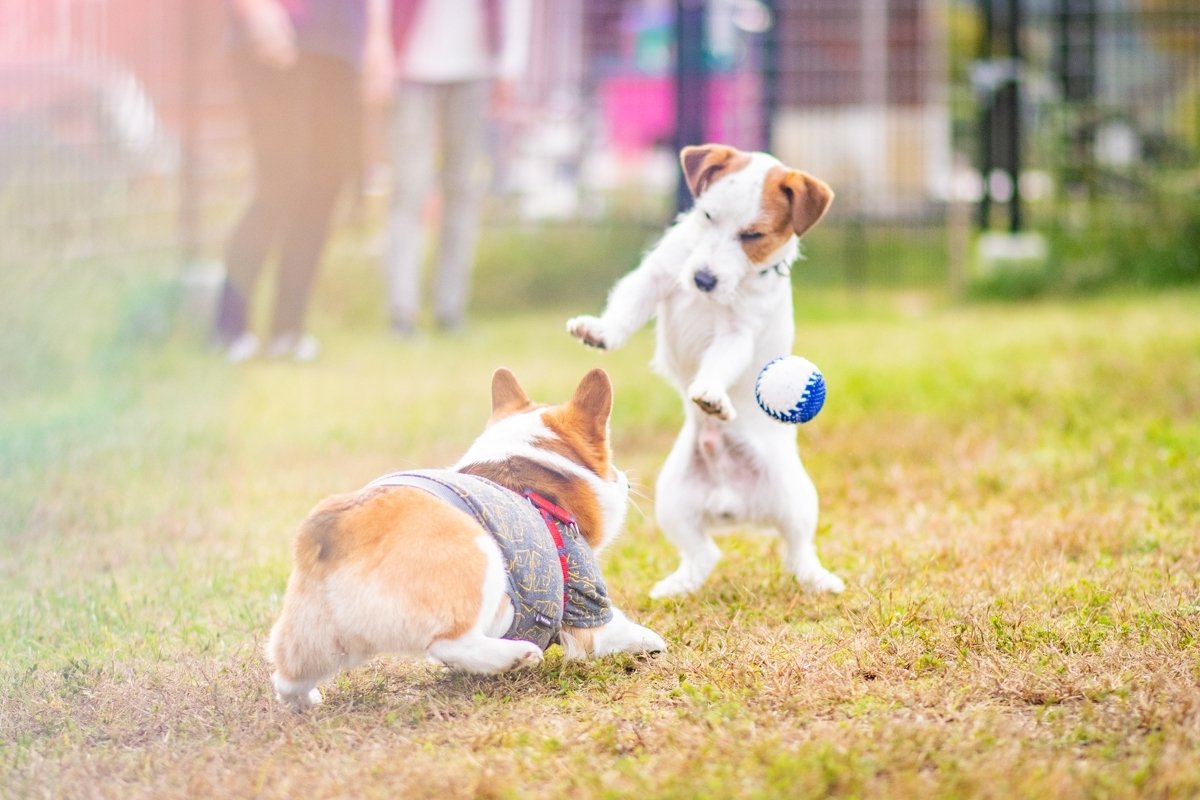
(481, 566)
(718, 283)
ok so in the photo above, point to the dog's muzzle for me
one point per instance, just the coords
(705, 281)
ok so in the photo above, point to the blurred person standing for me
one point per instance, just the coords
(455, 59)
(303, 68)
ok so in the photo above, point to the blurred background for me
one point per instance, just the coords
(1004, 147)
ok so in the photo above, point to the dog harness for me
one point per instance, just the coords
(553, 578)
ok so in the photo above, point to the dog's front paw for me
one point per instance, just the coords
(644, 640)
(677, 583)
(693, 571)
(712, 401)
(589, 330)
(623, 636)
(818, 579)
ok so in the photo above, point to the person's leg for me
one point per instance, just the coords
(329, 136)
(269, 102)
(464, 129)
(412, 170)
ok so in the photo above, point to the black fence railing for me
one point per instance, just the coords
(1083, 98)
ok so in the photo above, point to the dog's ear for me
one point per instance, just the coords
(507, 395)
(592, 402)
(703, 164)
(808, 197)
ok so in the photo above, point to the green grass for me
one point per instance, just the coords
(1009, 490)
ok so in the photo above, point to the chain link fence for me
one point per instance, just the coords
(120, 135)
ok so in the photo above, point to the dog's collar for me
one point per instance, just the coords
(554, 516)
(781, 269)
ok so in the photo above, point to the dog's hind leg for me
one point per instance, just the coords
(796, 517)
(679, 509)
(301, 647)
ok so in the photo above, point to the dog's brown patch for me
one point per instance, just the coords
(808, 198)
(567, 491)
(317, 541)
(792, 202)
(401, 538)
(580, 428)
(705, 164)
(774, 225)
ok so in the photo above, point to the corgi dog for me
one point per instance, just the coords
(480, 566)
(718, 283)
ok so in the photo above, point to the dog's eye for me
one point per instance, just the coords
(750, 236)
(708, 216)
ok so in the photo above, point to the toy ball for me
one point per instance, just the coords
(791, 389)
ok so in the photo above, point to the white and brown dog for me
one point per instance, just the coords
(480, 566)
(718, 284)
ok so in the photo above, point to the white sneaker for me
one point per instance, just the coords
(243, 348)
(296, 346)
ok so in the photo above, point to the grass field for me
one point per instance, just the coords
(1011, 492)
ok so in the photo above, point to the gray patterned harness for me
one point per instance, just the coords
(541, 603)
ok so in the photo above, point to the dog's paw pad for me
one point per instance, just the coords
(531, 657)
(589, 331)
(714, 403)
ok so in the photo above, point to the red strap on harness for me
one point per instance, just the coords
(552, 514)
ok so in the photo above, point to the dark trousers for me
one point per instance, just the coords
(304, 128)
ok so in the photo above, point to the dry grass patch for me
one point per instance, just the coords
(1010, 493)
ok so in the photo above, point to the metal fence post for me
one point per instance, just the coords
(1075, 62)
(1012, 96)
(770, 76)
(986, 114)
(691, 84)
(1000, 134)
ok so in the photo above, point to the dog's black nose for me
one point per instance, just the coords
(705, 280)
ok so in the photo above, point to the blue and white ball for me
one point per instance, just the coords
(791, 389)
